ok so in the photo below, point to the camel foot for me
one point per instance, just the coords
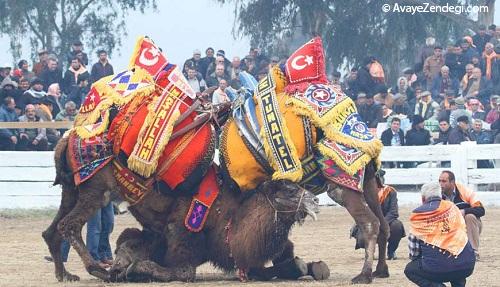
(362, 279)
(382, 272)
(318, 270)
(99, 272)
(68, 277)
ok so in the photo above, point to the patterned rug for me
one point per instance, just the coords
(336, 174)
(88, 156)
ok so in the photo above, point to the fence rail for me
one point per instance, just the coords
(26, 177)
(34, 125)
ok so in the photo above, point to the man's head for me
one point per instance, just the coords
(29, 111)
(52, 64)
(354, 74)
(482, 30)
(77, 46)
(24, 84)
(395, 124)
(191, 71)
(43, 55)
(75, 63)
(426, 96)
(9, 103)
(402, 82)
(418, 122)
(209, 52)
(447, 181)
(438, 51)
(336, 78)
(444, 125)
(474, 104)
(430, 41)
(489, 48)
(361, 99)
(477, 126)
(23, 65)
(493, 100)
(235, 63)
(37, 84)
(219, 70)
(445, 72)
(463, 123)
(468, 69)
(274, 61)
(430, 190)
(222, 84)
(70, 108)
(196, 55)
(103, 55)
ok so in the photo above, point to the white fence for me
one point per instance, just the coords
(26, 177)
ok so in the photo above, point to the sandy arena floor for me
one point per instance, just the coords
(22, 250)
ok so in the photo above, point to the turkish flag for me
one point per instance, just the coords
(306, 66)
(148, 56)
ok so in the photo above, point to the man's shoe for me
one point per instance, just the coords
(391, 256)
(478, 258)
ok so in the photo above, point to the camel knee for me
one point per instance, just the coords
(371, 229)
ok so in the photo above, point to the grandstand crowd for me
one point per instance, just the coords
(450, 95)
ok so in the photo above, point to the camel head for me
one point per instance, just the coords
(131, 246)
(289, 200)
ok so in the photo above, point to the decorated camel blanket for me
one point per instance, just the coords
(136, 112)
(292, 103)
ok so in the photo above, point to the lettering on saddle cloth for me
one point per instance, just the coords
(274, 129)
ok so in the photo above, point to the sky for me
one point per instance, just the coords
(178, 27)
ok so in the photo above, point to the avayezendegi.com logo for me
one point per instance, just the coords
(433, 8)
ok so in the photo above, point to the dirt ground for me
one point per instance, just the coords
(22, 250)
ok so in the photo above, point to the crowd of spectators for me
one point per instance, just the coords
(44, 93)
(426, 105)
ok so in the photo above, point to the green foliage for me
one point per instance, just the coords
(56, 24)
(351, 30)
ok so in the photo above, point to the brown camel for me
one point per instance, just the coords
(78, 204)
(366, 211)
(230, 238)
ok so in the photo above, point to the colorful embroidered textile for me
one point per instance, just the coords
(87, 156)
(349, 159)
(443, 227)
(132, 187)
(384, 192)
(202, 201)
(148, 56)
(306, 66)
(280, 151)
(337, 175)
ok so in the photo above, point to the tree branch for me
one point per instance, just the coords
(80, 12)
(63, 14)
(32, 27)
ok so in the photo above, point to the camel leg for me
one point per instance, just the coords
(152, 271)
(53, 238)
(357, 207)
(371, 197)
(93, 195)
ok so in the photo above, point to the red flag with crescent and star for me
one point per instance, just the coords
(148, 56)
(306, 66)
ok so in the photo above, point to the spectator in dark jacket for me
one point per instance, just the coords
(8, 137)
(52, 74)
(393, 136)
(365, 81)
(102, 68)
(480, 39)
(76, 49)
(442, 83)
(193, 62)
(476, 113)
(479, 87)
(371, 112)
(481, 136)
(32, 96)
(417, 135)
(80, 92)
(438, 254)
(71, 75)
(454, 59)
(206, 61)
(444, 130)
(460, 133)
(400, 105)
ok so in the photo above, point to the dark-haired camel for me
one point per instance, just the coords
(78, 204)
(241, 231)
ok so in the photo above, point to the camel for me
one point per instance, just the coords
(78, 204)
(230, 238)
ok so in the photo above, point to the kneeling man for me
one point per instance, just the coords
(439, 248)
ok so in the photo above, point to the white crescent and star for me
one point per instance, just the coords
(308, 60)
(147, 61)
